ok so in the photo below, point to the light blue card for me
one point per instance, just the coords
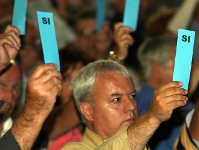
(183, 58)
(131, 12)
(19, 15)
(100, 14)
(48, 38)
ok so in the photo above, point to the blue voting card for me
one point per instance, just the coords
(100, 14)
(183, 58)
(131, 12)
(48, 38)
(19, 15)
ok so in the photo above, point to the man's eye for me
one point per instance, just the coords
(132, 96)
(116, 100)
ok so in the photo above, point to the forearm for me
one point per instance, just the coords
(141, 131)
(25, 130)
(28, 125)
(42, 88)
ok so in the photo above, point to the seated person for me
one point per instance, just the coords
(10, 88)
(42, 88)
(105, 95)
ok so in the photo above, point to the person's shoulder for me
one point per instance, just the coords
(9, 138)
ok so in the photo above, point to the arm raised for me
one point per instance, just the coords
(166, 98)
(43, 87)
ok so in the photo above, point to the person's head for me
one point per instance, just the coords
(105, 95)
(102, 42)
(156, 57)
(84, 27)
(71, 61)
(95, 44)
(10, 89)
(30, 53)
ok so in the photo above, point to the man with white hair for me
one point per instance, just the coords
(105, 95)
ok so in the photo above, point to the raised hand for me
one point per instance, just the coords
(166, 98)
(10, 43)
(122, 39)
(43, 86)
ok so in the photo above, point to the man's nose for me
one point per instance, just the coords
(130, 104)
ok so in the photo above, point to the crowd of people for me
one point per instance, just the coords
(114, 89)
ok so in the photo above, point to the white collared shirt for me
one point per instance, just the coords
(6, 126)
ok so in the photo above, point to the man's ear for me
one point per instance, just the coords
(87, 111)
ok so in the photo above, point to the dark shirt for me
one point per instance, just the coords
(8, 142)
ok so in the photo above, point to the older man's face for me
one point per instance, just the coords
(114, 105)
(10, 88)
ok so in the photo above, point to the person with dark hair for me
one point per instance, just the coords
(94, 43)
